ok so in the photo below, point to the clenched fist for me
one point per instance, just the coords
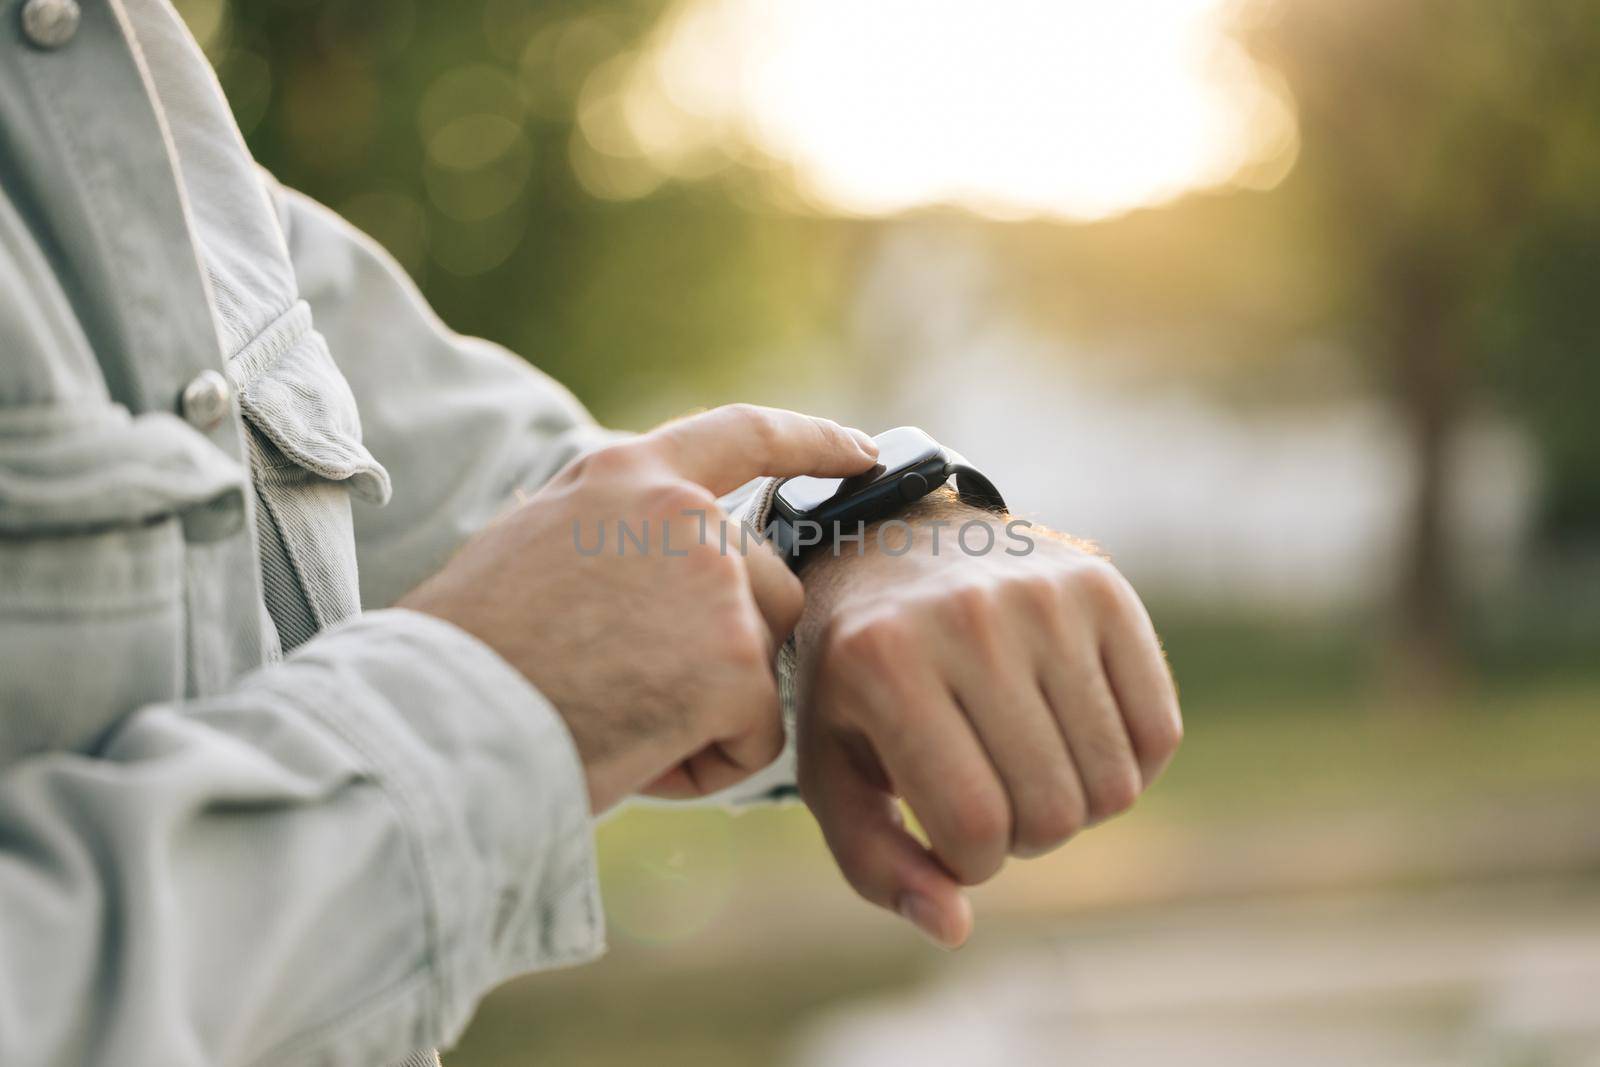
(658, 655)
(1010, 700)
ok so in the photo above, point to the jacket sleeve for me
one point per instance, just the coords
(325, 860)
(461, 424)
(270, 876)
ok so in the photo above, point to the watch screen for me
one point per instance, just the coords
(898, 449)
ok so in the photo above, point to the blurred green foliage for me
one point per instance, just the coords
(1446, 145)
(444, 131)
(1450, 161)
(1540, 342)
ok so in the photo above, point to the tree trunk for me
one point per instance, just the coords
(1427, 658)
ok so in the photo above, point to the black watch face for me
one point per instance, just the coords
(898, 450)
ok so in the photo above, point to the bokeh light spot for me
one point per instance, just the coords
(1010, 109)
(477, 88)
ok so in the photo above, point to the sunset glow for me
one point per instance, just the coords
(1008, 108)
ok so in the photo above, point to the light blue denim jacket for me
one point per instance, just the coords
(243, 820)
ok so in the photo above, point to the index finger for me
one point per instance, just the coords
(725, 447)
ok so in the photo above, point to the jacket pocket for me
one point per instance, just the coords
(96, 511)
(292, 393)
(308, 462)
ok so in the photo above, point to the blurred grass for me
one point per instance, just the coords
(626, 1010)
(1320, 755)
(1301, 716)
(730, 932)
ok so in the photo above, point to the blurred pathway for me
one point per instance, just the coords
(1504, 975)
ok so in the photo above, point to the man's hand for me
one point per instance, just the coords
(658, 657)
(1011, 700)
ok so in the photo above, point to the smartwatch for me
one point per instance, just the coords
(807, 512)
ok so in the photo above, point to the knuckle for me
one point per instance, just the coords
(672, 498)
(978, 867)
(876, 643)
(972, 607)
(759, 422)
(603, 463)
(826, 428)
(980, 821)
(1166, 734)
(1038, 597)
(975, 613)
(1114, 792)
(829, 435)
(719, 570)
(1051, 820)
(1103, 586)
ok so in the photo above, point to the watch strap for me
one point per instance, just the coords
(972, 485)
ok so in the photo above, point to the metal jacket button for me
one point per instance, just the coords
(205, 400)
(50, 23)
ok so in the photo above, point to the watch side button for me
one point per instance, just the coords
(913, 486)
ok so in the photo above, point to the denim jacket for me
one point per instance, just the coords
(247, 815)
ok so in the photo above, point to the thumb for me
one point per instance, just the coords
(865, 830)
(725, 447)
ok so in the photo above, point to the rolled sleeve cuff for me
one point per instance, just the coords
(492, 793)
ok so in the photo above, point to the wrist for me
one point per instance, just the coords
(939, 525)
(929, 535)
